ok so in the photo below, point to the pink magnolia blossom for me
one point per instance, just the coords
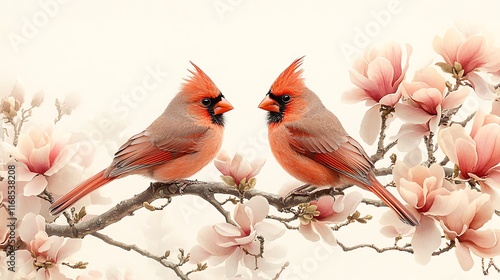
(473, 51)
(425, 98)
(429, 195)
(227, 243)
(377, 77)
(477, 155)
(40, 154)
(43, 249)
(237, 168)
(10, 105)
(329, 211)
(48, 160)
(464, 223)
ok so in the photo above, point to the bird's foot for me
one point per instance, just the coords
(304, 190)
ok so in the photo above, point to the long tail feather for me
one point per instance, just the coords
(404, 214)
(78, 192)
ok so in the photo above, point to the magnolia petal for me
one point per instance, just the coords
(444, 205)
(39, 159)
(235, 164)
(491, 186)
(344, 207)
(364, 83)
(35, 186)
(381, 72)
(256, 165)
(232, 262)
(242, 172)
(410, 136)
(412, 115)
(425, 240)
(480, 239)
(70, 247)
(354, 95)
(463, 256)
(370, 125)
(67, 177)
(455, 99)
(245, 240)
(243, 216)
(392, 52)
(223, 165)
(52, 246)
(431, 78)
(392, 226)
(391, 99)
(23, 174)
(447, 138)
(259, 206)
(198, 254)
(484, 243)
(413, 157)
(411, 192)
(471, 52)
(19, 152)
(269, 231)
(208, 239)
(18, 91)
(227, 230)
(488, 148)
(482, 88)
(63, 159)
(308, 232)
(466, 156)
(428, 99)
(325, 232)
(31, 224)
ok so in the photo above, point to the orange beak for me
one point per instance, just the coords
(269, 105)
(222, 107)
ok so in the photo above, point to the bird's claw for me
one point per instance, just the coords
(304, 190)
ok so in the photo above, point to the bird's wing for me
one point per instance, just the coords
(143, 150)
(331, 146)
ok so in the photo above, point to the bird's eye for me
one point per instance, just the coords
(206, 102)
(286, 98)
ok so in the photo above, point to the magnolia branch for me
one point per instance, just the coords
(159, 190)
(160, 259)
(405, 248)
(385, 113)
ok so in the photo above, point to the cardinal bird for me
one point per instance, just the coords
(310, 143)
(181, 141)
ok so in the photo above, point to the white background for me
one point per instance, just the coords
(102, 51)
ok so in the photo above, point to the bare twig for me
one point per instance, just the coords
(261, 251)
(429, 144)
(385, 113)
(160, 259)
(405, 248)
(464, 122)
(491, 264)
(448, 247)
(277, 276)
